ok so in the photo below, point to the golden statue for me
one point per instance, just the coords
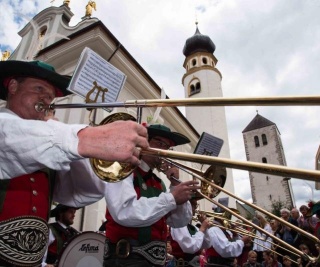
(5, 55)
(91, 5)
(66, 2)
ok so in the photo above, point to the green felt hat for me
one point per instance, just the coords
(35, 69)
(164, 131)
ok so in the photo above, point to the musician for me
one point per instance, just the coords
(225, 245)
(187, 242)
(61, 231)
(148, 203)
(31, 148)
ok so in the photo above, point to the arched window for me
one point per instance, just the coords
(256, 141)
(264, 160)
(194, 62)
(264, 139)
(204, 60)
(194, 87)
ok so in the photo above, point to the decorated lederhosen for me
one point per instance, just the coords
(177, 251)
(62, 236)
(213, 257)
(140, 240)
(24, 207)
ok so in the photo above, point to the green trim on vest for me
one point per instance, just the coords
(144, 233)
(192, 229)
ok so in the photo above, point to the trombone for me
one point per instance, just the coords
(250, 234)
(227, 225)
(113, 172)
(103, 170)
(280, 241)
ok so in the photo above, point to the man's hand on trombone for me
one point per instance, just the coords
(173, 175)
(116, 141)
(184, 191)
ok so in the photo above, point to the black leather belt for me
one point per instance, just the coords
(154, 251)
(217, 261)
(23, 240)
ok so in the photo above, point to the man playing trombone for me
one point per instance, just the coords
(36, 155)
(225, 245)
(187, 242)
(142, 199)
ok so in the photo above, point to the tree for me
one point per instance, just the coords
(276, 206)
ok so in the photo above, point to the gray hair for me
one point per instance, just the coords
(285, 210)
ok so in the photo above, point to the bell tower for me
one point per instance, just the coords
(263, 144)
(202, 79)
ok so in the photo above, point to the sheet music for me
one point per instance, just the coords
(92, 67)
(208, 145)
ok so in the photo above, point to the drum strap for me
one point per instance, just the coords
(23, 240)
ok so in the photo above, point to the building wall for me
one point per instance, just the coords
(267, 188)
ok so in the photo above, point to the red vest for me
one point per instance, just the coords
(26, 195)
(158, 231)
(211, 252)
(177, 251)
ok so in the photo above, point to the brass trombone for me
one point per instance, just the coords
(222, 216)
(232, 226)
(113, 172)
(230, 211)
(259, 244)
(123, 171)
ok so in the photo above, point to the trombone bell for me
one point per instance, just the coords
(107, 171)
(216, 175)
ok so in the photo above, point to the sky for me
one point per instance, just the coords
(264, 49)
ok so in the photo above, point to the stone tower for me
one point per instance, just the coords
(263, 144)
(202, 79)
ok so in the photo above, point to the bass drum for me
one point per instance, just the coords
(83, 250)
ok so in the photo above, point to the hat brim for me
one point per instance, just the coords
(11, 68)
(59, 209)
(176, 138)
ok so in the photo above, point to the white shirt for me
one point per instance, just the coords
(30, 145)
(262, 242)
(222, 245)
(189, 243)
(129, 211)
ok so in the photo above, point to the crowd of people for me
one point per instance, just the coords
(44, 160)
(259, 246)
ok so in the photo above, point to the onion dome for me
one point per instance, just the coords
(198, 43)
